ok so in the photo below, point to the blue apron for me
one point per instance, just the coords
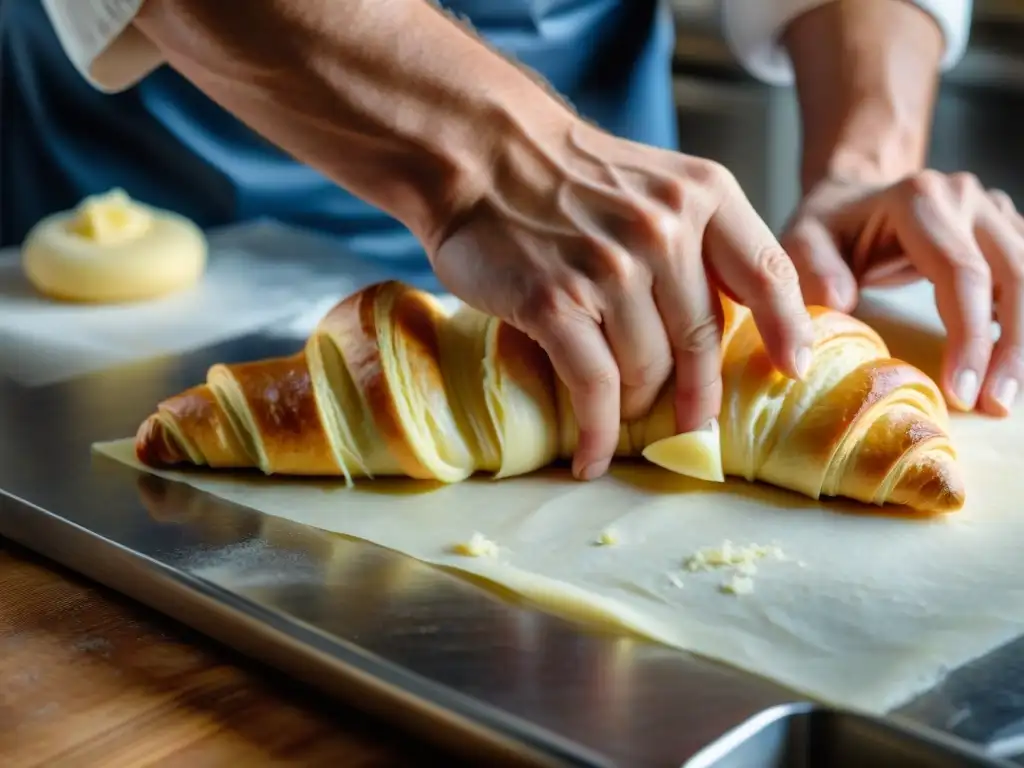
(165, 143)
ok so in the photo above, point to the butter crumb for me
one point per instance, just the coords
(730, 555)
(608, 538)
(477, 546)
(746, 569)
(739, 585)
(742, 560)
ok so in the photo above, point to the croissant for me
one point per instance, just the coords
(390, 384)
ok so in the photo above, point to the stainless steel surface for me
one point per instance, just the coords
(396, 636)
(817, 739)
(420, 645)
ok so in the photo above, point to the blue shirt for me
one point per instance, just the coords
(167, 144)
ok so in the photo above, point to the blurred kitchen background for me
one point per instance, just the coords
(754, 129)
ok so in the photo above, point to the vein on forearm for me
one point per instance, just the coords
(389, 98)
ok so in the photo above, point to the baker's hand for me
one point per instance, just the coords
(608, 254)
(967, 240)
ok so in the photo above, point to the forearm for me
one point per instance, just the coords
(391, 99)
(867, 73)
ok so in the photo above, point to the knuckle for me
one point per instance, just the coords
(978, 338)
(1002, 201)
(775, 269)
(926, 183)
(699, 392)
(606, 263)
(623, 270)
(655, 230)
(964, 183)
(970, 273)
(725, 178)
(649, 374)
(599, 382)
(697, 337)
(577, 296)
(672, 193)
(712, 174)
(539, 306)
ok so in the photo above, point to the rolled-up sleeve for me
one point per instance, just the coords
(753, 28)
(99, 39)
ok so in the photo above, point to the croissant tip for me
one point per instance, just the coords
(940, 506)
(154, 445)
(952, 502)
(945, 496)
(931, 485)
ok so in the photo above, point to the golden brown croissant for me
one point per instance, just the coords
(389, 384)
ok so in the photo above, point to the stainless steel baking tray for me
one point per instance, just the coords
(411, 642)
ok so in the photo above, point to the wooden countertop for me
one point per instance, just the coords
(89, 678)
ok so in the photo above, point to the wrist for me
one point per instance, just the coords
(873, 147)
(867, 72)
(509, 149)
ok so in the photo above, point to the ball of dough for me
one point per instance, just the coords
(113, 249)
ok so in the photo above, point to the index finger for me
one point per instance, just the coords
(687, 306)
(583, 361)
(947, 254)
(748, 261)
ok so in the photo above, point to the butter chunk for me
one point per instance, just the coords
(696, 454)
(477, 546)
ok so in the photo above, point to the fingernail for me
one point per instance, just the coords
(594, 470)
(1006, 393)
(804, 357)
(966, 387)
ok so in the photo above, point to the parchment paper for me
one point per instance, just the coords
(867, 610)
(259, 274)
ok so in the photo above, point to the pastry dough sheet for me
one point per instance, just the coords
(867, 610)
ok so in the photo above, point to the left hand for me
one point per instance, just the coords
(967, 240)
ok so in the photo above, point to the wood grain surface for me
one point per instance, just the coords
(88, 678)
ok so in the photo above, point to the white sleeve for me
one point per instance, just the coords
(753, 28)
(98, 37)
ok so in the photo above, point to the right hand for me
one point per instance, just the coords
(610, 255)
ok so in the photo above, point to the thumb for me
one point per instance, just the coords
(825, 279)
